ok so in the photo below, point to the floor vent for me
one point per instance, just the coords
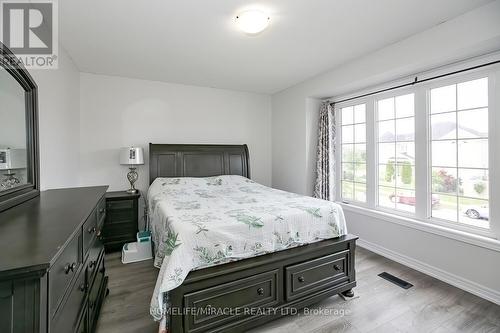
(397, 281)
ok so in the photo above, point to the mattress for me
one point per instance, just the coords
(201, 222)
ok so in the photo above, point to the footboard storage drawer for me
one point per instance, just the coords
(63, 271)
(67, 317)
(317, 274)
(229, 301)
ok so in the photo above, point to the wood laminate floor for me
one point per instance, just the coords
(379, 306)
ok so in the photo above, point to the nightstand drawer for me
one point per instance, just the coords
(119, 205)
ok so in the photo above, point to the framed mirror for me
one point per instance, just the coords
(19, 162)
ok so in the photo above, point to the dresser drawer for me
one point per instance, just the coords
(63, 271)
(324, 272)
(254, 292)
(95, 291)
(67, 317)
(95, 253)
(89, 231)
(101, 210)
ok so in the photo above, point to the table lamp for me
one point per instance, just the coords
(132, 156)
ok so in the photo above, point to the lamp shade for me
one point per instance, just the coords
(131, 156)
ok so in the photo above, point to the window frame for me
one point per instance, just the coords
(423, 141)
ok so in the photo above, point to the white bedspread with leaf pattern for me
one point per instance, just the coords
(200, 222)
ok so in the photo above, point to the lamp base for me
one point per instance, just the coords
(132, 191)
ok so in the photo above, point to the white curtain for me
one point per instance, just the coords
(325, 165)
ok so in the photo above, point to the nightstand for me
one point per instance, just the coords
(122, 217)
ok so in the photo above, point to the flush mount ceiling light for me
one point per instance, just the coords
(252, 21)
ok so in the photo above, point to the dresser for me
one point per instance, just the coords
(122, 218)
(52, 269)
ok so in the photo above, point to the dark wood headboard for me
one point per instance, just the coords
(176, 160)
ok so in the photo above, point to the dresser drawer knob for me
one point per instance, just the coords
(83, 287)
(101, 210)
(91, 230)
(336, 267)
(301, 279)
(69, 268)
(91, 304)
(92, 264)
(260, 291)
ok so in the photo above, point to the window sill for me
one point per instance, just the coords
(477, 240)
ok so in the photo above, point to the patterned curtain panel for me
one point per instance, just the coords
(325, 163)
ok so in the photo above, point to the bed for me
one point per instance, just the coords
(232, 253)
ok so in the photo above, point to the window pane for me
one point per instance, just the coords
(360, 153)
(405, 177)
(473, 123)
(405, 106)
(347, 116)
(347, 171)
(386, 153)
(405, 152)
(444, 153)
(386, 197)
(347, 153)
(474, 212)
(360, 133)
(444, 207)
(386, 175)
(386, 131)
(473, 94)
(473, 183)
(405, 129)
(444, 126)
(347, 190)
(359, 113)
(386, 109)
(347, 134)
(360, 173)
(473, 153)
(443, 99)
(405, 200)
(360, 192)
(444, 180)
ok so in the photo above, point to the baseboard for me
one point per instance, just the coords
(455, 280)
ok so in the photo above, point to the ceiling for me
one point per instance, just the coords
(196, 41)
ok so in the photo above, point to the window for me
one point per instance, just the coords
(429, 145)
(396, 152)
(459, 152)
(354, 152)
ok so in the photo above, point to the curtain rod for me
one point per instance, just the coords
(415, 81)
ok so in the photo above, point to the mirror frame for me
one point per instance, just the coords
(19, 194)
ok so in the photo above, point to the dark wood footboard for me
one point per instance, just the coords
(237, 296)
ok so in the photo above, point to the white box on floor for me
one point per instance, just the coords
(138, 251)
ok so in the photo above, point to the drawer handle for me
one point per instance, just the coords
(260, 291)
(301, 279)
(336, 267)
(91, 304)
(92, 264)
(69, 268)
(91, 230)
(101, 210)
(83, 287)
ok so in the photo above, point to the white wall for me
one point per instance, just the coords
(59, 107)
(294, 126)
(117, 112)
(474, 33)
